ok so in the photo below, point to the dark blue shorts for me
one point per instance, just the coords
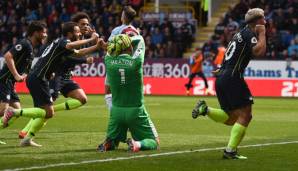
(232, 92)
(64, 86)
(39, 90)
(7, 92)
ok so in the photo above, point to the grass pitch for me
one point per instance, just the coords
(70, 138)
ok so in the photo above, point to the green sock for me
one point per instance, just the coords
(28, 126)
(237, 134)
(218, 115)
(148, 144)
(68, 105)
(36, 125)
(31, 112)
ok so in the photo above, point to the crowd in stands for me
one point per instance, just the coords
(162, 39)
(282, 27)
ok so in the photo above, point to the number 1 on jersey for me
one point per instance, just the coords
(122, 75)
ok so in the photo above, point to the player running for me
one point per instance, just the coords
(124, 62)
(62, 82)
(18, 63)
(232, 91)
(50, 61)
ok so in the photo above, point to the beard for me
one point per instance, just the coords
(74, 38)
(40, 40)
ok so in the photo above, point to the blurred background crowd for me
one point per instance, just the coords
(282, 27)
(163, 40)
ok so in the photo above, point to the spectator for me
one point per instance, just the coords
(187, 32)
(240, 9)
(157, 37)
(220, 27)
(293, 49)
(167, 24)
(279, 18)
(178, 38)
(64, 16)
(171, 50)
(150, 54)
(18, 13)
(282, 25)
(293, 26)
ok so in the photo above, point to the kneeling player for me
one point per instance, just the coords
(124, 62)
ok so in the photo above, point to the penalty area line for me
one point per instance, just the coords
(145, 156)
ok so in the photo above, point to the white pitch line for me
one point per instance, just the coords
(145, 156)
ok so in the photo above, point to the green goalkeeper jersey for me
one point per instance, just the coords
(125, 75)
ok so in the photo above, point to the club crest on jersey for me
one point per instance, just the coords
(18, 47)
(254, 40)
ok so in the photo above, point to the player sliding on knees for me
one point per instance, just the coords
(124, 62)
(52, 59)
(232, 91)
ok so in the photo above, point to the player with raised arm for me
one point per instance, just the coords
(50, 61)
(128, 14)
(124, 62)
(18, 63)
(62, 82)
(232, 91)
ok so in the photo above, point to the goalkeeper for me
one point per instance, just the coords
(124, 62)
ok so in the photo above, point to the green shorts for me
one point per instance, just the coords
(134, 119)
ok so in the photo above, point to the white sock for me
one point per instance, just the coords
(230, 150)
(138, 144)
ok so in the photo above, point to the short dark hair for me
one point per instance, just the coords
(68, 27)
(80, 15)
(129, 12)
(35, 26)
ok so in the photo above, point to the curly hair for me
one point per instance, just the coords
(78, 16)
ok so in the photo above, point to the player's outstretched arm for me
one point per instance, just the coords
(12, 68)
(259, 49)
(80, 43)
(85, 51)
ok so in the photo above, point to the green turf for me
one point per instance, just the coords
(72, 136)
